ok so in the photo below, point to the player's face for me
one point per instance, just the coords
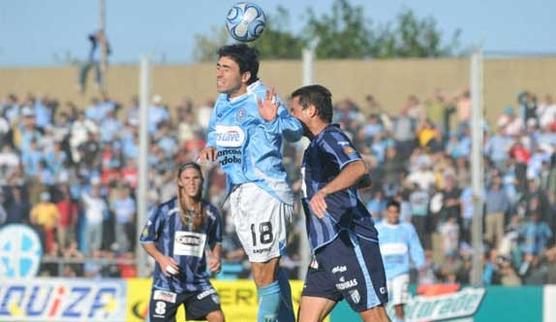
(191, 181)
(229, 80)
(392, 215)
(299, 112)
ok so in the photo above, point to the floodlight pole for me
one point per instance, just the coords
(142, 170)
(477, 168)
(308, 54)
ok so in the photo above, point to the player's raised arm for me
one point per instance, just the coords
(278, 119)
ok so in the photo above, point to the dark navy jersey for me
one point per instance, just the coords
(173, 238)
(329, 152)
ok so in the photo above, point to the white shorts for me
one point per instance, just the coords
(260, 221)
(397, 289)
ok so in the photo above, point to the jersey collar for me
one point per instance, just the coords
(250, 90)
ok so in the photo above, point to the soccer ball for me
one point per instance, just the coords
(245, 21)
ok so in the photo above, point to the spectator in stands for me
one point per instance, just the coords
(68, 211)
(508, 274)
(497, 147)
(419, 200)
(404, 133)
(111, 128)
(11, 108)
(428, 136)
(123, 207)
(535, 236)
(497, 204)
(98, 42)
(9, 163)
(551, 265)
(79, 134)
(451, 200)
(512, 126)
(392, 171)
(463, 109)
(45, 216)
(547, 112)
(3, 212)
(95, 210)
(18, 207)
(158, 113)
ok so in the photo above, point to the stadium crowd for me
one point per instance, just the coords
(71, 172)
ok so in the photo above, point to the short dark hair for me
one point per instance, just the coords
(246, 57)
(393, 203)
(316, 95)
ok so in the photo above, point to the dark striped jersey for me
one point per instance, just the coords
(327, 154)
(173, 238)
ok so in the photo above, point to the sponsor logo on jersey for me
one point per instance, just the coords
(261, 250)
(346, 285)
(229, 136)
(355, 297)
(241, 113)
(189, 243)
(229, 156)
(165, 296)
(339, 269)
(188, 240)
(206, 293)
(349, 150)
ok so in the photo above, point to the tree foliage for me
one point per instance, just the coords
(414, 37)
(344, 32)
(206, 46)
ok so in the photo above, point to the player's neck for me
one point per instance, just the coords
(316, 128)
(190, 202)
(237, 93)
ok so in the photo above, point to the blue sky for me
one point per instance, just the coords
(42, 33)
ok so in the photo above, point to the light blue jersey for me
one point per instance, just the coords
(397, 244)
(248, 147)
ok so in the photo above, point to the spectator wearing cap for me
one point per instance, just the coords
(45, 216)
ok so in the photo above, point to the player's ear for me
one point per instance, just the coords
(312, 110)
(245, 77)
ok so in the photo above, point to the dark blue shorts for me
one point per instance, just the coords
(164, 304)
(348, 268)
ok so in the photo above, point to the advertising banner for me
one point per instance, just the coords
(62, 300)
(238, 299)
(469, 304)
